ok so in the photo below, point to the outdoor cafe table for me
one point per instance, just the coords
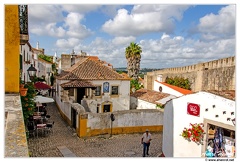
(36, 117)
(41, 127)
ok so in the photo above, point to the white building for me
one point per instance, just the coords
(27, 57)
(170, 89)
(201, 107)
(98, 88)
(45, 70)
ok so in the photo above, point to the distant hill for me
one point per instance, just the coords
(142, 71)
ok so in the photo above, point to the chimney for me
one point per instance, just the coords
(37, 45)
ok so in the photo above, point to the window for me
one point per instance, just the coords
(98, 91)
(114, 90)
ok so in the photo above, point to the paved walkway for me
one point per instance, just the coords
(64, 138)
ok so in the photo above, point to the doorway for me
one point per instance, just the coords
(80, 94)
(106, 108)
(73, 118)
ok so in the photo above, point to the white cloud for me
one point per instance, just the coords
(49, 20)
(80, 8)
(216, 32)
(144, 19)
(67, 43)
(54, 31)
(75, 28)
(44, 14)
(123, 40)
(221, 25)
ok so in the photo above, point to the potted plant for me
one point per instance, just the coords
(22, 90)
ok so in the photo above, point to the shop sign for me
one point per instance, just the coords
(193, 109)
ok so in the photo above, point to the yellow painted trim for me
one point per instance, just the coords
(83, 127)
(123, 130)
(107, 103)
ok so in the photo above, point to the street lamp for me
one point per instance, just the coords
(31, 72)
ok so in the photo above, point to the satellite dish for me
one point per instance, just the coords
(160, 88)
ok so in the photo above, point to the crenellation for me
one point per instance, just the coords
(212, 75)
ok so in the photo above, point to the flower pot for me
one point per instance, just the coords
(23, 91)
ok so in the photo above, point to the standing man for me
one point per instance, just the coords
(146, 138)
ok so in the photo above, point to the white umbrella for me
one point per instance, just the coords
(40, 99)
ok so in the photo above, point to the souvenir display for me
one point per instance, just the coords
(220, 145)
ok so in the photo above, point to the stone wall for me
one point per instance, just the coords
(212, 75)
(65, 61)
(126, 121)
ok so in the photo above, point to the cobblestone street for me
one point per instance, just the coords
(124, 145)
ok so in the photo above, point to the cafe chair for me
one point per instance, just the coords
(48, 116)
(50, 126)
(31, 128)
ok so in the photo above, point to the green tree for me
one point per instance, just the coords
(45, 57)
(179, 82)
(133, 56)
(135, 84)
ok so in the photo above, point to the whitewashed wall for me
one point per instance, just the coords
(44, 68)
(28, 57)
(122, 101)
(167, 141)
(166, 89)
(64, 106)
(125, 118)
(141, 104)
(183, 148)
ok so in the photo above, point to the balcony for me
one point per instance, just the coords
(23, 22)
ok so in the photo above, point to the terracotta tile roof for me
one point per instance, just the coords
(125, 75)
(93, 58)
(181, 90)
(149, 95)
(77, 83)
(88, 69)
(229, 94)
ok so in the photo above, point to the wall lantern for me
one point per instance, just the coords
(31, 72)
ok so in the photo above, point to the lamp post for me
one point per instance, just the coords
(32, 72)
(112, 119)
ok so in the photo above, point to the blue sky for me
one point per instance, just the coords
(170, 35)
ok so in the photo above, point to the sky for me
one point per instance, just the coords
(170, 35)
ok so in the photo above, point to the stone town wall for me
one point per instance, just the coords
(126, 121)
(212, 75)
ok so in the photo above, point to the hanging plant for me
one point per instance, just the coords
(195, 133)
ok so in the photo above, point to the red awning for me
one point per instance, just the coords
(41, 85)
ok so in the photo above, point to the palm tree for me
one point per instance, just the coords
(133, 56)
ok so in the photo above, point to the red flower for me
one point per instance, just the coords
(195, 133)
